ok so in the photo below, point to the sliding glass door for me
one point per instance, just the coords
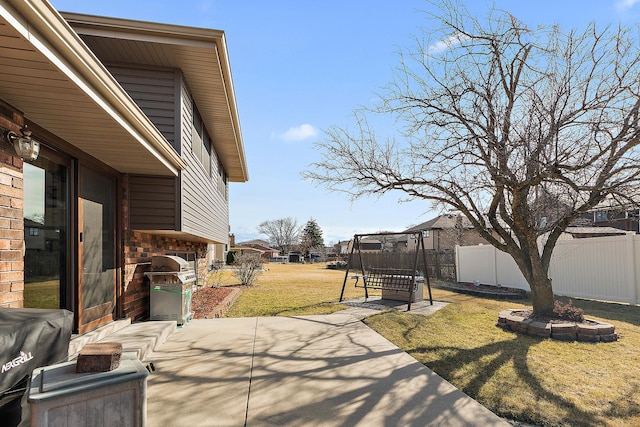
(46, 234)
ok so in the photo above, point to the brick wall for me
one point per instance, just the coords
(11, 215)
(139, 248)
(11, 231)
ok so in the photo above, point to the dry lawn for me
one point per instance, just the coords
(293, 289)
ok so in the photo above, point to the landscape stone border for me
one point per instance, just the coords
(588, 331)
(221, 309)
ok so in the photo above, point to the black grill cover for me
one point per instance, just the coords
(29, 338)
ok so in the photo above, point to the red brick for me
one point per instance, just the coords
(16, 304)
(12, 192)
(12, 234)
(17, 286)
(11, 213)
(9, 297)
(17, 183)
(17, 203)
(10, 255)
(17, 224)
(11, 276)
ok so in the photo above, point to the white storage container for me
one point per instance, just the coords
(58, 396)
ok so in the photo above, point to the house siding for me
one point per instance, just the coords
(154, 91)
(152, 203)
(205, 211)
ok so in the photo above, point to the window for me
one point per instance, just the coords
(600, 216)
(201, 142)
(33, 231)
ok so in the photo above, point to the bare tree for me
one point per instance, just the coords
(521, 130)
(283, 233)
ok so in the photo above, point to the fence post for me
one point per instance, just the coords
(457, 263)
(631, 269)
(495, 265)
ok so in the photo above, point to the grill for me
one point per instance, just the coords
(171, 280)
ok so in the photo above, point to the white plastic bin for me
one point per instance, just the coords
(59, 396)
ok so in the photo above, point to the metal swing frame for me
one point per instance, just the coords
(392, 279)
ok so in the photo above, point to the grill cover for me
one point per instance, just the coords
(29, 338)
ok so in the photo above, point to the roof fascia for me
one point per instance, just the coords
(38, 22)
(154, 32)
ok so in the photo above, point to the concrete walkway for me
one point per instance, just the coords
(329, 370)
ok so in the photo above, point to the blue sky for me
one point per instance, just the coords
(302, 66)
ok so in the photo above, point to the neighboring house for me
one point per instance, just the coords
(342, 247)
(139, 137)
(254, 242)
(366, 245)
(586, 232)
(620, 217)
(260, 246)
(444, 232)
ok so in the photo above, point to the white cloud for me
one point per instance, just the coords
(626, 4)
(300, 133)
(451, 41)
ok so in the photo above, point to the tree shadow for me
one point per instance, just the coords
(308, 370)
(502, 353)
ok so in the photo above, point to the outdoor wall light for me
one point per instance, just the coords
(25, 146)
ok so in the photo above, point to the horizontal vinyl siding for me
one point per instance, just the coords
(152, 203)
(205, 211)
(153, 90)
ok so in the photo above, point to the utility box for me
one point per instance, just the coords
(59, 396)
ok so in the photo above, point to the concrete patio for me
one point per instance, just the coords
(328, 370)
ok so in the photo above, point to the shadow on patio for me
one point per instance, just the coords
(329, 370)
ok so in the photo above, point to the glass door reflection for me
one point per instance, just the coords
(45, 234)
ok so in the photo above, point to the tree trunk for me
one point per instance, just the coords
(541, 290)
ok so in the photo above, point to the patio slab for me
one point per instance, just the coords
(329, 370)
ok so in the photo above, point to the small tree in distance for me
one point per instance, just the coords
(283, 233)
(520, 129)
(311, 237)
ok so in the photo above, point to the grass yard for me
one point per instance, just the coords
(43, 294)
(293, 289)
(544, 382)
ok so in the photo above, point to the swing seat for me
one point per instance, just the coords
(395, 283)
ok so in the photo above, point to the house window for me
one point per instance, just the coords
(425, 233)
(601, 216)
(201, 144)
(33, 231)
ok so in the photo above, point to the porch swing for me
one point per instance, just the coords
(396, 283)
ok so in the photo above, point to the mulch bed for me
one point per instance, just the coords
(205, 300)
(497, 292)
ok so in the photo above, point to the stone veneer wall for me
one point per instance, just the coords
(11, 222)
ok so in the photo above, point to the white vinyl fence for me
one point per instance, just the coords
(604, 268)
